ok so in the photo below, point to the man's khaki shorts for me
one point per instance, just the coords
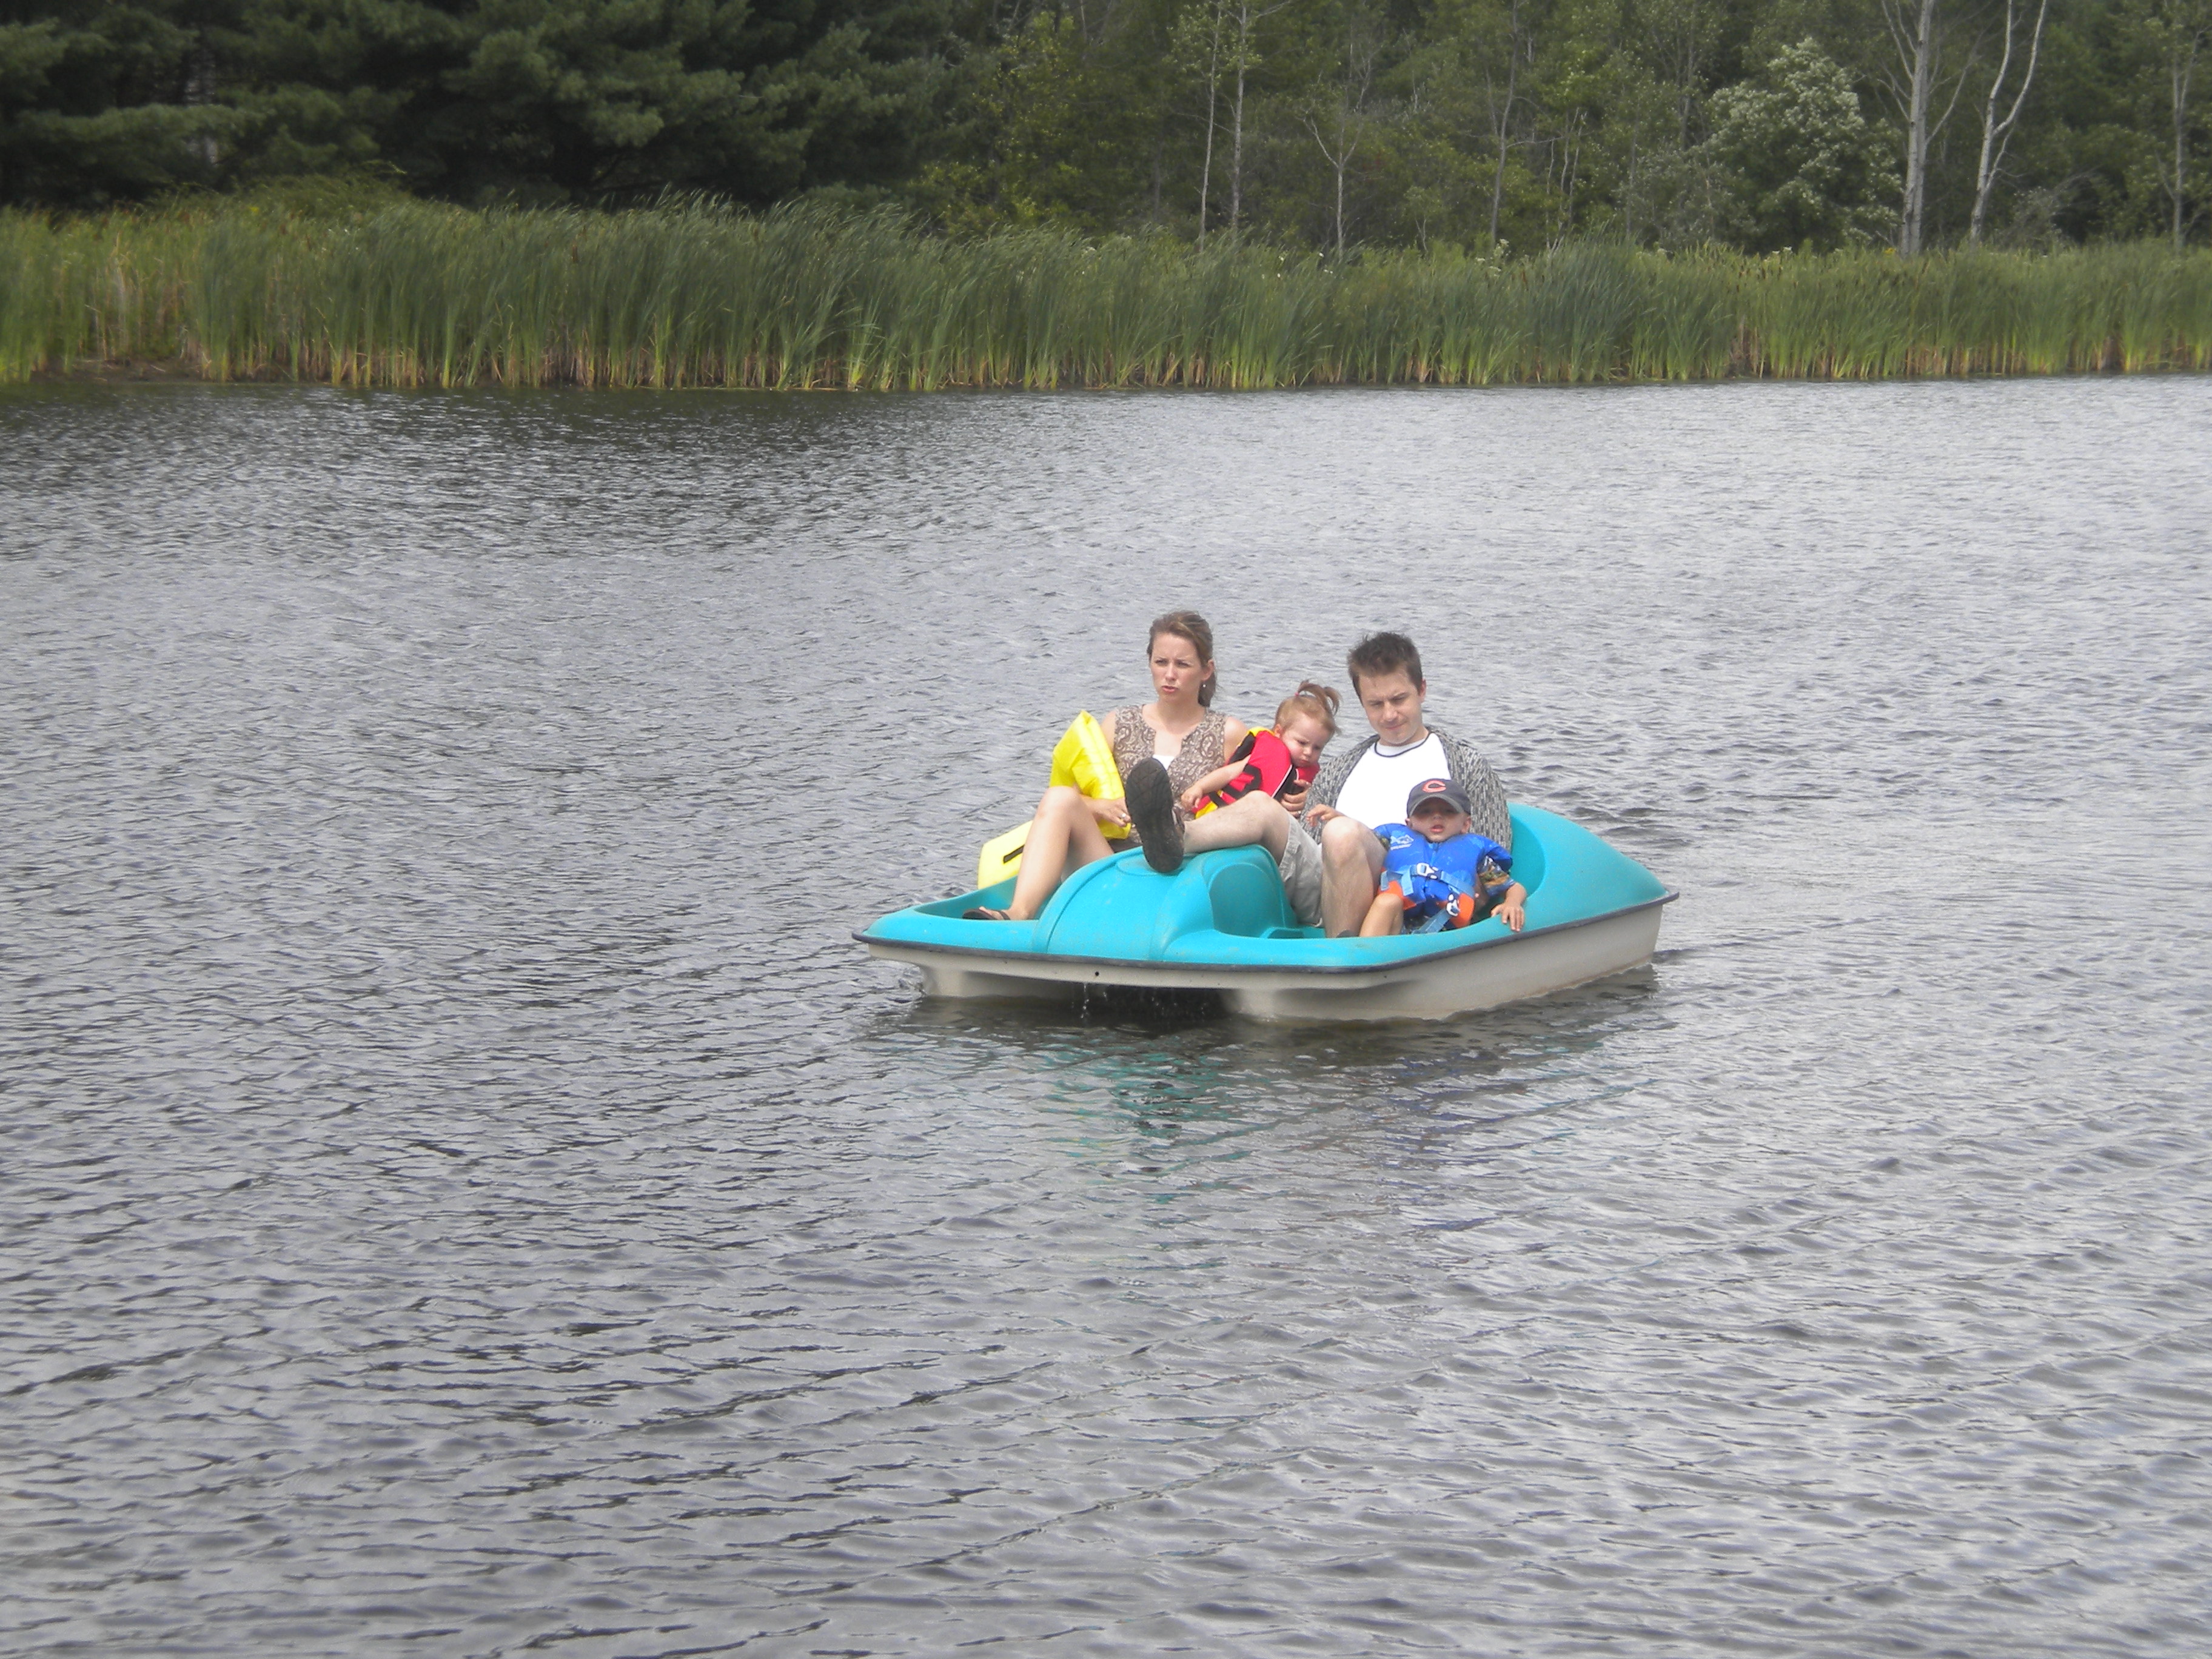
(1300, 869)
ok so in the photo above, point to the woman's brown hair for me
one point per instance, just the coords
(1318, 702)
(1195, 631)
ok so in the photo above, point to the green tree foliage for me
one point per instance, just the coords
(1802, 166)
(2176, 37)
(1322, 125)
(540, 99)
(1058, 135)
(102, 101)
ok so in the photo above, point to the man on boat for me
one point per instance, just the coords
(1331, 860)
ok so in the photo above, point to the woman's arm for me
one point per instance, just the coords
(1116, 810)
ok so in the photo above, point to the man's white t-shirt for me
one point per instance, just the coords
(1381, 779)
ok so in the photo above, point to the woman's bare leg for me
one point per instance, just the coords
(1063, 838)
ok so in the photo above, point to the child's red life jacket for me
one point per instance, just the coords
(1267, 768)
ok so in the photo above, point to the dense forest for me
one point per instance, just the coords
(1323, 125)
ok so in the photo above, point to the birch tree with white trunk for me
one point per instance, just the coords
(1197, 44)
(1246, 18)
(1996, 134)
(1337, 121)
(2182, 31)
(1917, 29)
(1501, 113)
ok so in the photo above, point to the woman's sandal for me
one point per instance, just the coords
(982, 912)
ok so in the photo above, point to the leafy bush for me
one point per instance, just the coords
(1806, 169)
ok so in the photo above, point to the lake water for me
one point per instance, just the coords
(466, 1193)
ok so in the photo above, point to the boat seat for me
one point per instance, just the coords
(1247, 895)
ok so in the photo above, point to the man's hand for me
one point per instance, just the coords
(1294, 800)
(1318, 816)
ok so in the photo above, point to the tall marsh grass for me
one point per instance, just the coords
(416, 294)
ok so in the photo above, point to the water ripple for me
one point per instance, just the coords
(468, 1195)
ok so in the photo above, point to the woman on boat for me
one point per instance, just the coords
(1179, 728)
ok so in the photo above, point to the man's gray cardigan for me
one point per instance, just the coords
(1468, 770)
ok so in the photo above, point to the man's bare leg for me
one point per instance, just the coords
(1350, 866)
(1255, 821)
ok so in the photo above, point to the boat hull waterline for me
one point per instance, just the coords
(1222, 926)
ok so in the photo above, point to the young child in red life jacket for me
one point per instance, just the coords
(1437, 873)
(1278, 762)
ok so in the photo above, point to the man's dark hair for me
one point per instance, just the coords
(1384, 654)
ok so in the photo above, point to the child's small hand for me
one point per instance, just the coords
(1513, 910)
(1191, 798)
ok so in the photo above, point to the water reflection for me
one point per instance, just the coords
(1395, 1115)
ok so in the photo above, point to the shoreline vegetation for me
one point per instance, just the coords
(813, 298)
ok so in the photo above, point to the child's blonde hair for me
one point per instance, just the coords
(1317, 703)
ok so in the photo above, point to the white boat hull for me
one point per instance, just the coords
(1436, 987)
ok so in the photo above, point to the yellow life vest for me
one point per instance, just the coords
(1080, 761)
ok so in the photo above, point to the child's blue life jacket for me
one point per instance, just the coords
(1444, 884)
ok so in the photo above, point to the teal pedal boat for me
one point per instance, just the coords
(1221, 924)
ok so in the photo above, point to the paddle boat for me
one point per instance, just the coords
(1221, 924)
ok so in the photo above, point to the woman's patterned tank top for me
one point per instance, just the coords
(1202, 752)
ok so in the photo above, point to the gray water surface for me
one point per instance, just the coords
(465, 1194)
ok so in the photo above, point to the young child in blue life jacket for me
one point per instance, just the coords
(1278, 762)
(1437, 873)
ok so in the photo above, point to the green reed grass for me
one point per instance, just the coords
(416, 294)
